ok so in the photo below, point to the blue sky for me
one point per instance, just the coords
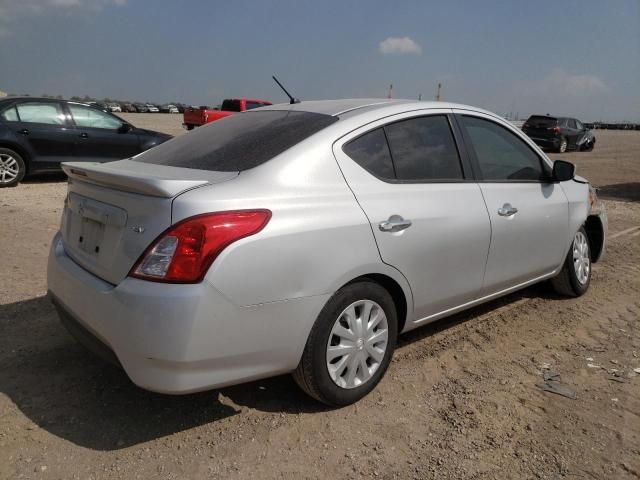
(571, 57)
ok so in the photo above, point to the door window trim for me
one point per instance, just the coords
(465, 166)
(546, 168)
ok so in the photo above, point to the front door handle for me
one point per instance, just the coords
(395, 223)
(84, 135)
(24, 131)
(507, 210)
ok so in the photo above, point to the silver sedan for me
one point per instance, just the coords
(304, 238)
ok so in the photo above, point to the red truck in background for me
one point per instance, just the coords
(194, 117)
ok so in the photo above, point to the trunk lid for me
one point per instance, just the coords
(113, 211)
(540, 126)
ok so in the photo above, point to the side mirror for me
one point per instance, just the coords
(125, 127)
(563, 171)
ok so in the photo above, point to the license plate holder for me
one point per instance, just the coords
(91, 235)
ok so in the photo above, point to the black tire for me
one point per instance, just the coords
(563, 145)
(566, 282)
(312, 374)
(11, 157)
(190, 127)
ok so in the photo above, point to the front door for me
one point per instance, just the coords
(100, 137)
(427, 215)
(529, 213)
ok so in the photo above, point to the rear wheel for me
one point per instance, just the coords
(575, 276)
(563, 145)
(12, 168)
(190, 127)
(350, 345)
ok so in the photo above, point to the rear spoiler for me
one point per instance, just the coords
(146, 179)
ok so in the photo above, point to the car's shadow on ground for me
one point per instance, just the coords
(63, 389)
(52, 177)
(628, 192)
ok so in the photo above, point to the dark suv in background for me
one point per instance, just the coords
(559, 133)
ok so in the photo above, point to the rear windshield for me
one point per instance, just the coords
(238, 142)
(230, 106)
(542, 121)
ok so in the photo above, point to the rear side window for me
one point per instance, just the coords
(572, 123)
(371, 152)
(501, 155)
(10, 115)
(231, 106)
(238, 142)
(424, 149)
(34, 112)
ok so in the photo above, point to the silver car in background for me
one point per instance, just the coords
(304, 238)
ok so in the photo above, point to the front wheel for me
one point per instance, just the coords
(12, 168)
(350, 345)
(575, 276)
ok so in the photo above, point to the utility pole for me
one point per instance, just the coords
(390, 94)
(438, 93)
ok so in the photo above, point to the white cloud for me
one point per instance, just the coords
(399, 46)
(561, 82)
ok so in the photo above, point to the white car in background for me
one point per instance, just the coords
(114, 107)
(151, 108)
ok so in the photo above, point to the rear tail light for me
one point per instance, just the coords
(554, 129)
(184, 252)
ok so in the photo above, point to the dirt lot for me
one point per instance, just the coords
(459, 401)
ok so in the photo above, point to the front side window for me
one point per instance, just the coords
(88, 117)
(501, 155)
(579, 125)
(371, 152)
(10, 115)
(424, 149)
(35, 112)
(572, 123)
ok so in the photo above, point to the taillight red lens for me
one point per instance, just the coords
(555, 129)
(184, 253)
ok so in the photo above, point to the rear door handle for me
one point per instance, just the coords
(84, 135)
(395, 224)
(507, 210)
(24, 131)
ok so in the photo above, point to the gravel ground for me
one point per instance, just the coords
(459, 400)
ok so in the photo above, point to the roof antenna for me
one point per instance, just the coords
(292, 100)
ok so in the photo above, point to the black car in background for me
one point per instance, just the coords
(140, 107)
(37, 134)
(559, 133)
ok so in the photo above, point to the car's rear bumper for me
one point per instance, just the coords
(180, 338)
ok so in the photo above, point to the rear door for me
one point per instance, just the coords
(574, 133)
(44, 127)
(529, 214)
(427, 215)
(98, 135)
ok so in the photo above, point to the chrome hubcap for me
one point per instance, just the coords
(357, 344)
(8, 168)
(581, 260)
